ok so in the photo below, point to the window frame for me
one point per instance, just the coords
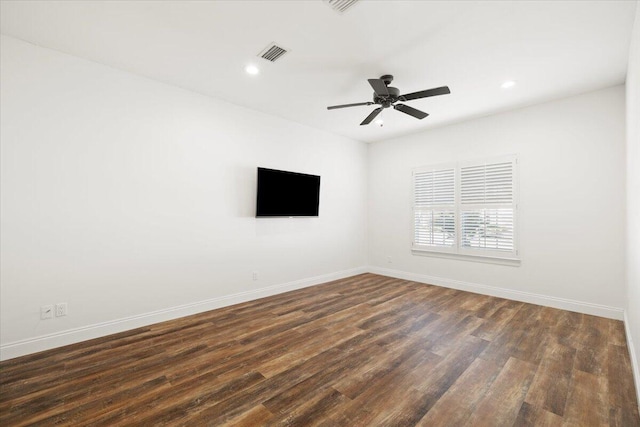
(457, 250)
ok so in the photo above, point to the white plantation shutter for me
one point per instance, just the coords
(487, 183)
(468, 209)
(487, 206)
(487, 229)
(434, 208)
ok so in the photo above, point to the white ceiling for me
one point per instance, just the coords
(551, 48)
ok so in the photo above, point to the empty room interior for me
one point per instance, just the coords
(320, 212)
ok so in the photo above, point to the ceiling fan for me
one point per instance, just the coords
(387, 96)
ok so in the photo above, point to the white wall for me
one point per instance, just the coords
(633, 199)
(571, 166)
(123, 196)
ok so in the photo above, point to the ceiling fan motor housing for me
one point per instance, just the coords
(387, 100)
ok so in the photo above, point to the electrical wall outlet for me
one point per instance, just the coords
(255, 275)
(61, 309)
(46, 312)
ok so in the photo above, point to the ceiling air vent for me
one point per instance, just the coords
(272, 52)
(340, 6)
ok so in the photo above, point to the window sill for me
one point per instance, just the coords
(515, 262)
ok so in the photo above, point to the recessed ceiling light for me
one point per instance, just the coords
(252, 69)
(508, 84)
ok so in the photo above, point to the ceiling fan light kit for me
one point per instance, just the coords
(387, 96)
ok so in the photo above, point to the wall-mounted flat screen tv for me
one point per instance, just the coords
(282, 193)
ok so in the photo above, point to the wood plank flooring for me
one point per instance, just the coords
(363, 351)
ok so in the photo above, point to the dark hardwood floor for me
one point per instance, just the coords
(363, 351)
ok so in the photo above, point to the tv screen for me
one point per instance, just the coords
(282, 193)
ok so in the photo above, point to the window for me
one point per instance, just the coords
(467, 208)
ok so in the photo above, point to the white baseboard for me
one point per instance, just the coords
(634, 358)
(72, 336)
(561, 303)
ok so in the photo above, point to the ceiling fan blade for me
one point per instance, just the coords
(411, 111)
(333, 107)
(379, 87)
(371, 116)
(444, 90)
